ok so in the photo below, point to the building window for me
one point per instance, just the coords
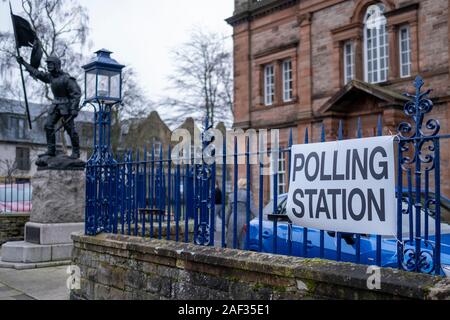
(282, 175)
(288, 85)
(269, 85)
(405, 52)
(157, 147)
(23, 159)
(17, 126)
(376, 44)
(282, 178)
(349, 62)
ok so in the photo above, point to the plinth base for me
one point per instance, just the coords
(25, 252)
(29, 266)
(43, 243)
(51, 234)
(58, 197)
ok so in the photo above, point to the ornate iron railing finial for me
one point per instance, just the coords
(417, 108)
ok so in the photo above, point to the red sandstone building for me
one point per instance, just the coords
(303, 63)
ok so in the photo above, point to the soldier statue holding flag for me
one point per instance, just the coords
(66, 92)
(67, 95)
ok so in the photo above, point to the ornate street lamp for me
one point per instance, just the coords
(103, 79)
(103, 90)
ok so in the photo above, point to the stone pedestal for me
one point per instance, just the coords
(58, 211)
(58, 197)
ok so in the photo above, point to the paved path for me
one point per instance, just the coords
(35, 284)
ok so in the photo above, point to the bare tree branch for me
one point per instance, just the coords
(63, 29)
(8, 169)
(203, 79)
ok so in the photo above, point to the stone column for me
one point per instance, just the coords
(359, 57)
(415, 55)
(337, 58)
(305, 67)
(243, 78)
(278, 69)
(394, 72)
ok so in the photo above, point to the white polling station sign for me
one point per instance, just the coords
(345, 186)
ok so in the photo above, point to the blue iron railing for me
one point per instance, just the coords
(419, 152)
(141, 194)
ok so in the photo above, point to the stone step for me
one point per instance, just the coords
(25, 252)
(51, 234)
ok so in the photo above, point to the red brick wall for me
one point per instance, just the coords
(311, 32)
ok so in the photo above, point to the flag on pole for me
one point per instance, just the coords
(36, 54)
(23, 37)
(26, 37)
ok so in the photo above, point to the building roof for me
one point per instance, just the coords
(9, 134)
(136, 133)
(357, 88)
(8, 106)
(246, 10)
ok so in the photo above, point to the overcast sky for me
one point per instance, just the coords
(141, 33)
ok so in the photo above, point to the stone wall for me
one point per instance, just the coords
(123, 268)
(12, 226)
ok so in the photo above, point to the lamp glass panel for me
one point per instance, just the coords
(115, 86)
(109, 84)
(90, 84)
(103, 85)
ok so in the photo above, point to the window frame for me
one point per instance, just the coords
(288, 80)
(269, 88)
(17, 126)
(349, 77)
(282, 175)
(376, 56)
(408, 52)
(157, 149)
(23, 158)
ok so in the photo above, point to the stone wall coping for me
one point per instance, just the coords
(183, 256)
(15, 215)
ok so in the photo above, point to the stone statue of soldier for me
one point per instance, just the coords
(67, 95)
